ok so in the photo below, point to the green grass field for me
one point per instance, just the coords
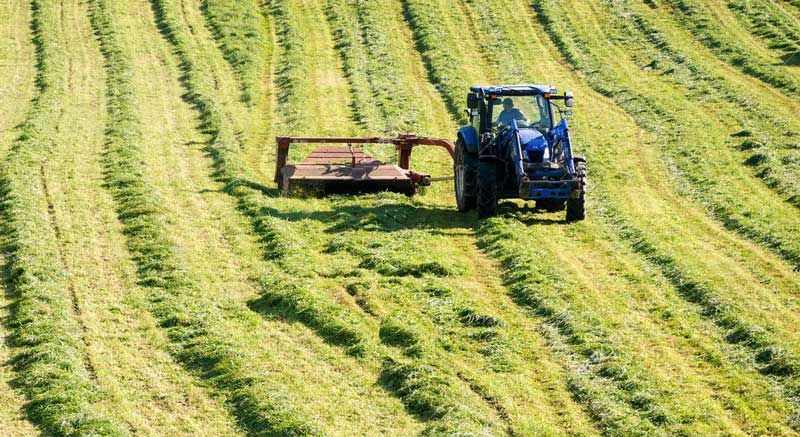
(158, 283)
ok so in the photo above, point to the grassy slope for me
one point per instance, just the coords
(553, 70)
(751, 262)
(227, 262)
(16, 91)
(53, 358)
(121, 351)
(775, 24)
(766, 115)
(704, 120)
(729, 189)
(597, 325)
(735, 41)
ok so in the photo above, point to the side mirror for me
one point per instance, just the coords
(569, 101)
(473, 101)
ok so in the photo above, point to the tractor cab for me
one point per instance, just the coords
(514, 148)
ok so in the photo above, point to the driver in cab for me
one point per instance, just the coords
(510, 113)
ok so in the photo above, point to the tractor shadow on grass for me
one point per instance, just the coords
(354, 213)
(385, 217)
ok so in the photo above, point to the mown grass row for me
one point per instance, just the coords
(289, 294)
(726, 47)
(295, 78)
(428, 391)
(422, 317)
(769, 357)
(51, 359)
(441, 52)
(295, 296)
(654, 117)
(496, 42)
(607, 400)
(357, 63)
(363, 43)
(768, 138)
(421, 281)
(611, 386)
(779, 31)
(177, 303)
(240, 30)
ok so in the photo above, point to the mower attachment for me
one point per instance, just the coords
(346, 169)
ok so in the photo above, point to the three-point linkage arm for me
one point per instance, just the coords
(404, 144)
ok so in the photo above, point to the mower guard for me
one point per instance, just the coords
(346, 169)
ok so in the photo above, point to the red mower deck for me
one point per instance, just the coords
(348, 169)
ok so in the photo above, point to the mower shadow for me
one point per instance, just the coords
(348, 215)
(383, 218)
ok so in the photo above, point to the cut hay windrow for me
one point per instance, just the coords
(433, 394)
(767, 131)
(51, 362)
(429, 393)
(348, 32)
(240, 29)
(190, 320)
(288, 294)
(363, 43)
(441, 52)
(769, 357)
(295, 300)
(538, 285)
(653, 117)
(707, 29)
(770, 23)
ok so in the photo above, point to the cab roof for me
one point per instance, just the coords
(513, 90)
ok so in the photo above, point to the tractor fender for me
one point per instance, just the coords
(470, 137)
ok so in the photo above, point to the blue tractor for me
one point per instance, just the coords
(512, 148)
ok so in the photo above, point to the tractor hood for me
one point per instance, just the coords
(534, 144)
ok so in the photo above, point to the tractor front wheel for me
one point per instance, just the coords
(487, 189)
(575, 205)
(465, 169)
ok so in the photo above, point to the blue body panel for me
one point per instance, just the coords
(534, 144)
(560, 134)
(550, 193)
(470, 136)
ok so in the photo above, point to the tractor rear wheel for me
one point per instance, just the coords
(465, 169)
(487, 189)
(575, 205)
